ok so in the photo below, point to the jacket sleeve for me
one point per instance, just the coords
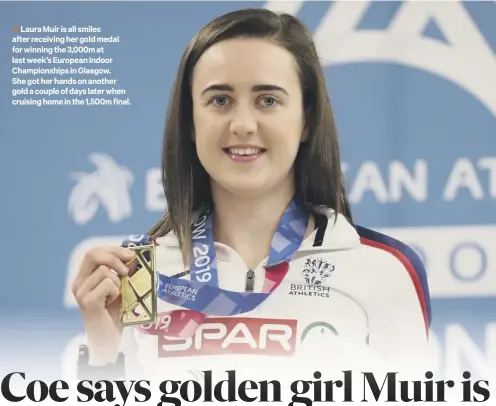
(129, 349)
(399, 310)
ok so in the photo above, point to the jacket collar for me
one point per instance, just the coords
(339, 232)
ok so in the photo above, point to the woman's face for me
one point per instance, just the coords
(248, 115)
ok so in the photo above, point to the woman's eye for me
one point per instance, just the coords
(269, 101)
(220, 101)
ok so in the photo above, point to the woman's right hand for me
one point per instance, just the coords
(97, 292)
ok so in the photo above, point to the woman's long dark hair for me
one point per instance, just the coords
(318, 176)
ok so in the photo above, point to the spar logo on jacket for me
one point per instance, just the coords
(248, 336)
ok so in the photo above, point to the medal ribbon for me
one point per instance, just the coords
(201, 296)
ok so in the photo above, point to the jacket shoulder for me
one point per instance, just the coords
(409, 259)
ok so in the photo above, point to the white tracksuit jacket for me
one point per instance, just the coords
(372, 310)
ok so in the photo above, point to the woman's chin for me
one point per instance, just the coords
(245, 185)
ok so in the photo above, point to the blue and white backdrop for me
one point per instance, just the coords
(413, 84)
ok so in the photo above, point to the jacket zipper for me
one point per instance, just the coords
(250, 281)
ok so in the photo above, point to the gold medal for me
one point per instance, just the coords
(139, 291)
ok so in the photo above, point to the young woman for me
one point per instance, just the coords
(258, 254)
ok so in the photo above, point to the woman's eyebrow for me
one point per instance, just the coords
(257, 88)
